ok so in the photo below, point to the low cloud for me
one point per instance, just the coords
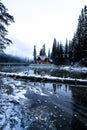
(20, 48)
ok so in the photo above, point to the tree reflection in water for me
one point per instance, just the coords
(79, 95)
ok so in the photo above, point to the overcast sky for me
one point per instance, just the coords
(40, 21)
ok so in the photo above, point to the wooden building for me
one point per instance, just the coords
(43, 60)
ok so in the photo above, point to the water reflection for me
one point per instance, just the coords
(72, 100)
(54, 88)
(76, 124)
(79, 94)
(60, 87)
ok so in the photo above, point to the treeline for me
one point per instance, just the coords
(60, 53)
(4, 58)
(72, 51)
(76, 49)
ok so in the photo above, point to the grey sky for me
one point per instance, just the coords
(40, 21)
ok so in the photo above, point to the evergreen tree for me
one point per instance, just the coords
(5, 20)
(57, 53)
(49, 54)
(84, 45)
(43, 51)
(66, 50)
(79, 41)
(53, 55)
(61, 54)
(74, 48)
(70, 51)
(57, 58)
(35, 54)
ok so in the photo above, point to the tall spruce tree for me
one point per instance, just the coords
(35, 54)
(5, 20)
(84, 45)
(49, 54)
(58, 53)
(66, 49)
(74, 48)
(70, 51)
(53, 55)
(61, 54)
(43, 51)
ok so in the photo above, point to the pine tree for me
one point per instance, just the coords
(53, 55)
(49, 54)
(74, 48)
(35, 54)
(84, 45)
(57, 53)
(61, 54)
(79, 41)
(5, 20)
(70, 51)
(43, 51)
(66, 50)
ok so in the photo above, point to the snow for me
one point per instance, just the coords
(74, 69)
(37, 90)
(20, 94)
(44, 78)
(2, 118)
(62, 67)
(41, 66)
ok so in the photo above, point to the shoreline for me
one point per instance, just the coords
(39, 78)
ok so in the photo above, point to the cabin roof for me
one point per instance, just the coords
(42, 57)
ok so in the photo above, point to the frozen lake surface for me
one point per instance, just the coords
(26, 105)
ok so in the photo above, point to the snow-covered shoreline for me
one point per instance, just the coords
(60, 67)
(47, 78)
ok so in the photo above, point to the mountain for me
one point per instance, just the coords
(12, 59)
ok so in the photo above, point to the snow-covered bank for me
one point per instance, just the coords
(47, 78)
(74, 69)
